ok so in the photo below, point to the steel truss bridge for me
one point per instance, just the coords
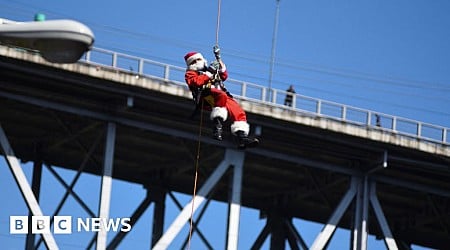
(319, 161)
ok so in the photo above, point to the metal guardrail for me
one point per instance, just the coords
(258, 93)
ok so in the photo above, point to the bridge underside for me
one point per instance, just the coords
(58, 118)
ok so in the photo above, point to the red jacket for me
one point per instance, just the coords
(195, 79)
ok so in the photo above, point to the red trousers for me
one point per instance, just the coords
(221, 99)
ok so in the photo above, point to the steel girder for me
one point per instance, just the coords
(362, 191)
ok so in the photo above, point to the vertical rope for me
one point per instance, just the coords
(199, 142)
(196, 175)
(272, 54)
(218, 22)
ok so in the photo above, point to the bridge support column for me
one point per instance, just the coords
(364, 192)
(105, 196)
(158, 196)
(278, 239)
(234, 205)
(232, 158)
(36, 187)
(360, 233)
(280, 228)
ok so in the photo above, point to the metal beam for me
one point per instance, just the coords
(360, 232)
(328, 230)
(365, 214)
(298, 238)
(106, 186)
(235, 207)
(357, 218)
(291, 235)
(36, 187)
(24, 186)
(278, 231)
(388, 238)
(439, 215)
(171, 132)
(158, 195)
(194, 223)
(195, 226)
(103, 116)
(69, 188)
(382, 164)
(307, 162)
(193, 205)
(71, 191)
(133, 219)
(261, 237)
(412, 185)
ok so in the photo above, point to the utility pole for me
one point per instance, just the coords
(272, 56)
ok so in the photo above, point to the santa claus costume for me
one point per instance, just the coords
(199, 77)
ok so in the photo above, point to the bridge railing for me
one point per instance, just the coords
(275, 97)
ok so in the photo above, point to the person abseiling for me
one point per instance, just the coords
(206, 85)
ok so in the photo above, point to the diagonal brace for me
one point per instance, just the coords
(184, 215)
(329, 229)
(24, 186)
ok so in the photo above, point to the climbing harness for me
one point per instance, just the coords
(199, 99)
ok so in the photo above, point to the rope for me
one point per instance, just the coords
(218, 22)
(199, 142)
(196, 175)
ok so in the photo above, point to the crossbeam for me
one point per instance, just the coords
(24, 186)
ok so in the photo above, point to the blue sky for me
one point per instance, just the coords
(387, 56)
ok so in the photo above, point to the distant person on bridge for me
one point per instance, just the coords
(289, 96)
(208, 90)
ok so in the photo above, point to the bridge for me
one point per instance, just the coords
(319, 161)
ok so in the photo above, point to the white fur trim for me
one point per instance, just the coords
(240, 126)
(209, 74)
(219, 112)
(194, 57)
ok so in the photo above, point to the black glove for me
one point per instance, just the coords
(216, 51)
(214, 67)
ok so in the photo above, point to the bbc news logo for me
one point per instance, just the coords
(66, 224)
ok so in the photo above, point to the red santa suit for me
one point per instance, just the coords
(223, 105)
